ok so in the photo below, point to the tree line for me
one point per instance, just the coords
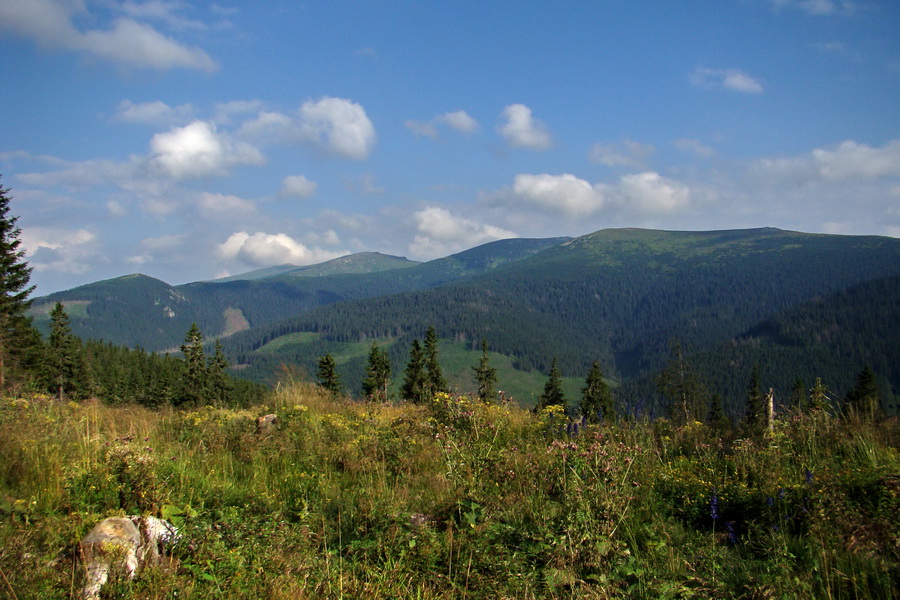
(68, 368)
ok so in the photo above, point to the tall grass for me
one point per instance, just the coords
(454, 500)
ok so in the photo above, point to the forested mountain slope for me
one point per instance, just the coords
(618, 296)
(137, 310)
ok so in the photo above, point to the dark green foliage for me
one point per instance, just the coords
(415, 379)
(798, 395)
(681, 386)
(485, 375)
(755, 415)
(378, 374)
(16, 337)
(434, 380)
(327, 375)
(596, 399)
(818, 397)
(195, 379)
(553, 393)
(64, 361)
(864, 398)
(219, 385)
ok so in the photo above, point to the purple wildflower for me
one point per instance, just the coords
(714, 505)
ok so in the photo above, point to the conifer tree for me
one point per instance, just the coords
(818, 397)
(716, 414)
(18, 339)
(596, 399)
(798, 395)
(553, 392)
(195, 378)
(681, 386)
(218, 381)
(864, 399)
(415, 378)
(326, 372)
(64, 360)
(755, 417)
(485, 375)
(378, 374)
(435, 381)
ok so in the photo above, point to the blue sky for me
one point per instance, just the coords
(190, 140)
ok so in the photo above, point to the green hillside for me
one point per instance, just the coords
(617, 296)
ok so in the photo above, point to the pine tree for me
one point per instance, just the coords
(818, 397)
(798, 395)
(64, 360)
(195, 378)
(681, 386)
(328, 377)
(485, 375)
(553, 393)
(17, 336)
(596, 399)
(219, 383)
(415, 378)
(864, 399)
(755, 417)
(378, 374)
(435, 382)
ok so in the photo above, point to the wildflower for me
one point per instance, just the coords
(809, 476)
(729, 529)
(714, 505)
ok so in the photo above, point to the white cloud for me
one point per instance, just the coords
(818, 7)
(649, 193)
(559, 193)
(422, 128)
(521, 130)
(153, 113)
(197, 150)
(439, 233)
(224, 205)
(626, 153)
(458, 120)
(297, 186)
(126, 41)
(265, 250)
(59, 250)
(846, 162)
(694, 147)
(158, 10)
(339, 126)
(733, 80)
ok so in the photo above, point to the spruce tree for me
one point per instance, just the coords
(864, 399)
(553, 393)
(798, 395)
(18, 338)
(755, 417)
(378, 374)
(818, 397)
(415, 380)
(435, 382)
(195, 377)
(64, 360)
(485, 375)
(681, 386)
(219, 383)
(327, 375)
(596, 399)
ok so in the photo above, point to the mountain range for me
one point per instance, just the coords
(798, 305)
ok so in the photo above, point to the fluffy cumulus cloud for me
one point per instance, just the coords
(650, 193)
(126, 40)
(458, 120)
(339, 126)
(266, 249)
(565, 193)
(297, 186)
(198, 150)
(626, 153)
(225, 205)
(59, 250)
(846, 162)
(521, 130)
(439, 233)
(733, 80)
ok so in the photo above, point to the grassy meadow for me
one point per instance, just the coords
(456, 499)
